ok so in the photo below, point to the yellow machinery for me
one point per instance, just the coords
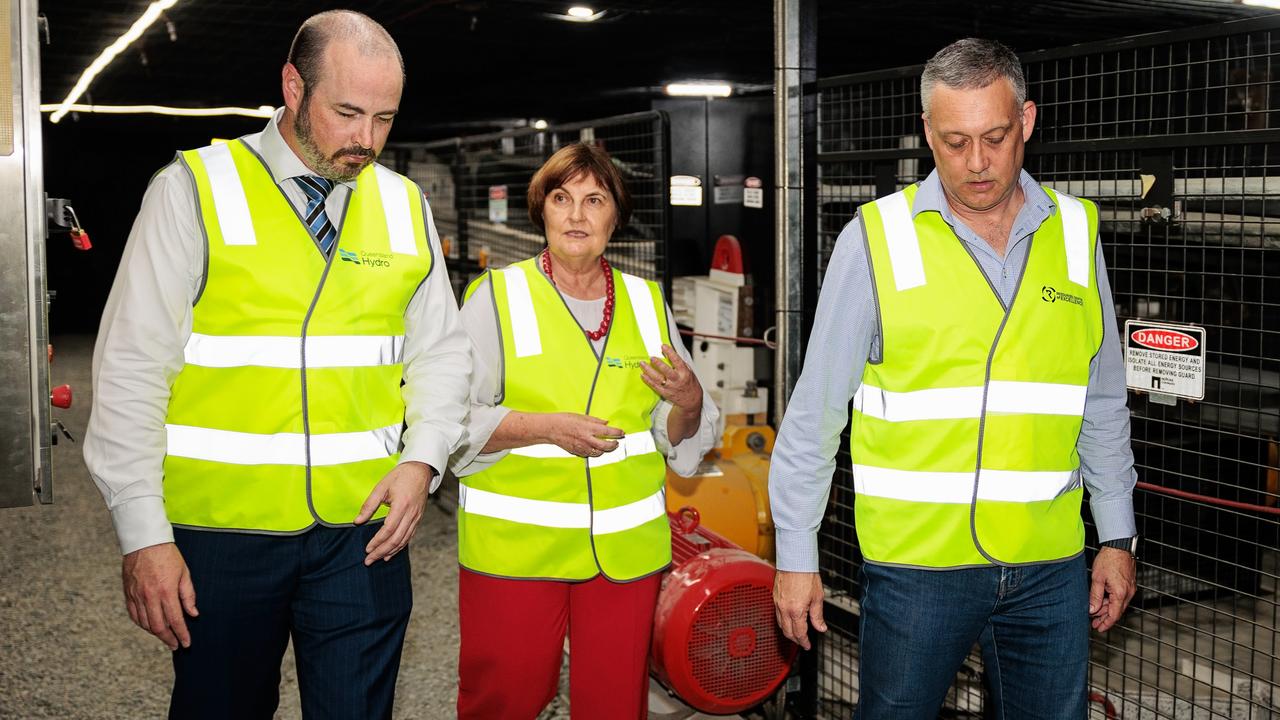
(731, 489)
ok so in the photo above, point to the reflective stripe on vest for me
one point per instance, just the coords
(966, 402)
(1075, 231)
(225, 351)
(229, 201)
(629, 446)
(395, 204)
(957, 487)
(238, 448)
(541, 512)
(904, 245)
(544, 513)
(524, 321)
(963, 436)
(645, 313)
(287, 410)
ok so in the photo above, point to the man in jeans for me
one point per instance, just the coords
(968, 319)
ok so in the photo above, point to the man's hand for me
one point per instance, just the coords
(797, 600)
(1113, 586)
(405, 490)
(157, 589)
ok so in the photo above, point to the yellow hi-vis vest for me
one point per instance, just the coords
(540, 512)
(963, 438)
(288, 409)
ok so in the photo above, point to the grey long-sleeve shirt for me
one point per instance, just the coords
(846, 335)
(486, 389)
(147, 321)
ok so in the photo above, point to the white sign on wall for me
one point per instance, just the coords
(1164, 359)
(686, 190)
(753, 193)
(498, 203)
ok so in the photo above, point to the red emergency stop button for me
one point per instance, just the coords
(61, 396)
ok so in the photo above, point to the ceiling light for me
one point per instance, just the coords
(699, 89)
(1263, 3)
(262, 111)
(149, 16)
(582, 13)
(539, 124)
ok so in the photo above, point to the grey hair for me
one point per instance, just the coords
(970, 64)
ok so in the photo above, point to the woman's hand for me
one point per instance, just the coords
(581, 435)
(674, 383)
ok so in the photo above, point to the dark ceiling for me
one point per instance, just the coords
(476, 60)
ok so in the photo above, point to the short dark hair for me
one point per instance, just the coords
(306, 54)
(568, 163)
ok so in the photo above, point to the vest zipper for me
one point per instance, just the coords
(306, 413)
(599, 356)
(986, 389)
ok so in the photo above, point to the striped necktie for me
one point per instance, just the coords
(317, 189)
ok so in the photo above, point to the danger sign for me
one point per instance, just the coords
(498, 203)
(1164, 359)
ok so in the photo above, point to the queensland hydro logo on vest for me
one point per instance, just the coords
(366, 258)
(634, 361)
(1050, 295)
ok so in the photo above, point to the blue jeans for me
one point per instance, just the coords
(917, 627)
(254, 592)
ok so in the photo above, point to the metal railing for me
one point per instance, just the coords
(476, 186)
(1197, 241)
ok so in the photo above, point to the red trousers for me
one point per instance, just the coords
(513, 639)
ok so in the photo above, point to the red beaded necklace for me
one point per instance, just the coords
(608, 293)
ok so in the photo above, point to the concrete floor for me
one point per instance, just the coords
(69, 651)
(67, 647)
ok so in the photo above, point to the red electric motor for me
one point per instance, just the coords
(716, 642)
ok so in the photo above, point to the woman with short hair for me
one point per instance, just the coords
(580, 398)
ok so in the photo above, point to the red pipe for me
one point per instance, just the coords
(1210, 500)
(747, 340)
(1107, 707)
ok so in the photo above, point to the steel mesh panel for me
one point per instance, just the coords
(1207, 84)
(1201, 639)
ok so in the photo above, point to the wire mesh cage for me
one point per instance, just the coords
(1177, 138)
(477, 187)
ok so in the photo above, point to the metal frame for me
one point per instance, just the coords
(25, 464)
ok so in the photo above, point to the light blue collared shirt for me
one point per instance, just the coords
(846, 335)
